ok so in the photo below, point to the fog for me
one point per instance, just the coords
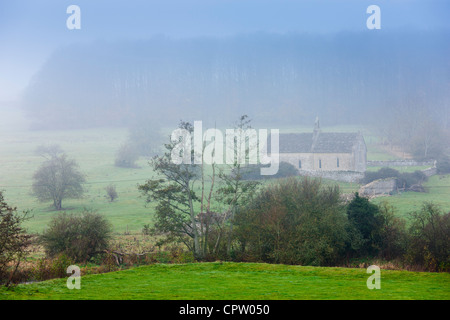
(346, 78)
(281, 63)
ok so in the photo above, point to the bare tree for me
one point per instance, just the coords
(111, 192)
(56, 179)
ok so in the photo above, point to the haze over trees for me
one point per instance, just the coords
(355, 78)
(415, 128)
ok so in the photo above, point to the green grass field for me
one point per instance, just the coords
(239, 281)
(94, 150)
(438, 192)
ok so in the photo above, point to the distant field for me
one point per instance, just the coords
(438, 191)
(95, 149)
(239, 281)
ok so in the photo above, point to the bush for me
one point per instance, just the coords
(79, 237)
(126, 156)
(14, 242)
(408, 179)
(430, 238)
(146, 230)
(253, 172)
(443, 165)
(382, 173)
(146, 138)
(393, 237)
(56, 267)
(294, 222)
(404, 180)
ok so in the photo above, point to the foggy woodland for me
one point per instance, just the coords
(344, 78)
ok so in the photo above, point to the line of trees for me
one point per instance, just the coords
(280, 77)
(416, 129)
(301, 222)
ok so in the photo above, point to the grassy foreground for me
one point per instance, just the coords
(239, 281)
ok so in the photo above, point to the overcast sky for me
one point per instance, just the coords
(30, 30)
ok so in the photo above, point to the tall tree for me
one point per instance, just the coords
(184, 212)
(235, 191)
(173, 190)
(365, 225)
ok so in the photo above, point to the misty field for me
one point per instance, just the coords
(95, 150)
(239, 281)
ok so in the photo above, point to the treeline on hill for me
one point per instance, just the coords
(281, 78)
(302, 222)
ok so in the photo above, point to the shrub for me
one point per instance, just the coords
(430, 238)
(14, 242)
(55, 267)
(443, 165)
(382, 173)
(408, 179)
(146, 230)
(294, 222)
(79, 237)
(392, 233)
(146, 138)
(404, 180)
(285, 169)
(126, 156)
